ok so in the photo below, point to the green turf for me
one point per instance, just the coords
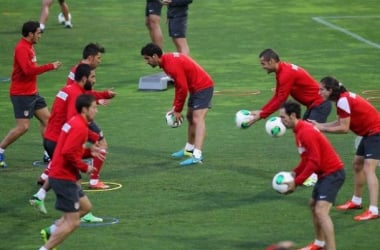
(228, 202)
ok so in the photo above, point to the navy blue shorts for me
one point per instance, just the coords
(95, 128)
(68, 194)
(24, 106)
(177, 27)
(327, 188)
(201, 99)
(318, 113)
(153, 8)
(369, 147)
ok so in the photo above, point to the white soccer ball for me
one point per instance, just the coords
(61, 18)
(171, 120)
(274, 127)
(279, 179)
(242, 118)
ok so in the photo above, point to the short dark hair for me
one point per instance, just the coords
(331, 83)
(81, 71)
(92, 49)
(84, 101)
(29, 26)
(292, 107)
(150, 49)
(269, 54)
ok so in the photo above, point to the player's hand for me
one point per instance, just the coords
(291, 187)
(111, 93)
(255, 117)
(98, 152)
(57, 64)
(178, 116)
(90, 169)
(103, 102)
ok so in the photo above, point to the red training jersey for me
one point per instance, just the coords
(67, 160)
(188, 76)
(25, 69)
(364, 118)
(294, 81)
(317, 154)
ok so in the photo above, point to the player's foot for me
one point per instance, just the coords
(38, 204)
(367, 215)
(91, 218)
(68, 25)
(98, 185)
(191, 161)
(46, 158)
(312, 246)
(349, 205)
(182, 153)
(2, 161)
(45, 234)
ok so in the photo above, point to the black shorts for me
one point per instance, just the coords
(318, 113)
(153, 8)
(68, 194)
(369, 147)
(24, 106)
(49, 147)
(201, 99)
(327, 188)
(177, 27)
(95, 128)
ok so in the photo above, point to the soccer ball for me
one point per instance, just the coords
(171, 120)
(61, 18)
(279, 179)
(242, 118)
(274, 127)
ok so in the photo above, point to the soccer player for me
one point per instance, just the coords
(23, 90)
(358, 115)
(317, 156)
(62, 110)
(189, 77)
(66, 166)
(45, 7)
(294, 81)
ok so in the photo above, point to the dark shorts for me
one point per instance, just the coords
(49, 147)
(319, 113)
(25, 106)
(327, 188)
(153, 8)
(201, 99)
(177, 27)
(369, 147)
(95, 128)
(68, 194)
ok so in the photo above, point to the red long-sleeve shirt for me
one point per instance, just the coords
(25, 69)
(317, 154)
(294, 81)
(67, 160)
(188, 76)
(364, 117)
(62, 110)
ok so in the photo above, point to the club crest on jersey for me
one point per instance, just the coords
(26, 113)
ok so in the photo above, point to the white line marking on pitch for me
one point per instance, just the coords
(347, 32)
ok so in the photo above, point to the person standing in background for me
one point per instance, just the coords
(45, 8)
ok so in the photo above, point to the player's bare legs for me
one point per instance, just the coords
(181, 45)
(65, 9)
(43, 116)
(22, 126)
(323, 224)
(45, 7)
(152, 22)
(359, 176)
(370, 166)
(68, 223)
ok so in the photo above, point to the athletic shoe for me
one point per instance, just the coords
(99, 185)
(182, 153)
(45, 234)
(2, 161)
(191, 161)
(68, 25)
(349, 205)
(367, 215)
(38, 204)
(90, 218)
(312, 246)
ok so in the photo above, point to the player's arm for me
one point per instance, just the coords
(28, 67)
(342, 125)
(181, 90)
